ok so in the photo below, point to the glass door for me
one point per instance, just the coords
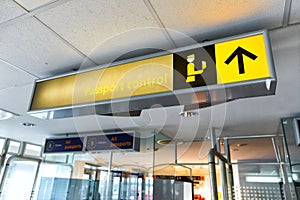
(121, 186)
(18, 180)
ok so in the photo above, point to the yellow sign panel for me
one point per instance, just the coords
(143, 77)
(241, 60)
(232, 61)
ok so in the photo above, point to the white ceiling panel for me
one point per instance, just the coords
(132, 43)
(295, 12)
(11, 76)
(30, 45)
(105, 29)
(32, 4)
(9, 10)
(13, 128)
(211, 19)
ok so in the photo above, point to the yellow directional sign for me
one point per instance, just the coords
(241, 60)
(230, 62)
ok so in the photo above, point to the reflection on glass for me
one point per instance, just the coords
(53, 182)
(193, 152)
(258, 182)
(20, 178)
(240, 148)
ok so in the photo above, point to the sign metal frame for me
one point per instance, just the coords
(64, 145)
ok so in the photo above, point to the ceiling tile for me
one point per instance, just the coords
(32, 4)
(30, 45)
(295, 14)
(105, 30)
(132, 43)
(11, 76)
(211, 19)
(9, 10)
(16, 99)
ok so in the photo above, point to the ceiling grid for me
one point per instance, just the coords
(287, 13)
(87, 59)
(83, 27)
(9, 10)
(159, 21)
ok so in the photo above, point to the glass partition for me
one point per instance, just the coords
(193, 152)
(52, 182)
(264, 150)
(258, 182)
(161, 169)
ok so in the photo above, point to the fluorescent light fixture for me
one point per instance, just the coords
(44, 115)
(4, 114)
(263, 179)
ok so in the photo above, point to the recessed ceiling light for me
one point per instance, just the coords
(188, 114)
(28, 124)
(4, 114)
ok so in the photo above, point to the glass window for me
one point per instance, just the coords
(20, 178)
(33, 150)
(60, 158)
(14, 147)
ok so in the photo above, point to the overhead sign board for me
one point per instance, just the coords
(64, 145)
(225, 64)
(93, 143)
(120, 141)
(242, 60)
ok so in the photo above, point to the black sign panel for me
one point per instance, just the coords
(64, 145)
(195, 68)
(121, 141)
